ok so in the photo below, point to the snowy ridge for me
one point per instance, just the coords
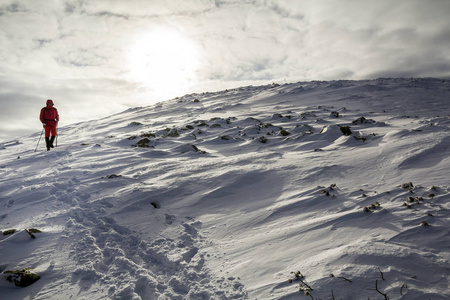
(223, 195)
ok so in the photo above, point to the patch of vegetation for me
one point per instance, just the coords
(284, 132)
(411, 201)
(113, 176)
(134, 123)
(346, 130)
(263, 139)
(372, 207)
(425, 224)
(307, 114)
(201, 123)
(9, 231)
(265, 125)
(303, 286)
(360, 138)
(363, 120)
(22, 278)
(198, 150)
(229, 119)
(32, 231)
(326, 191)
(143, 143)
(434, 189)
(277, 116)
(172, 133)
(407, 186)
(147, 135)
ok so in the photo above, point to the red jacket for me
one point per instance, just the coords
(49, 114)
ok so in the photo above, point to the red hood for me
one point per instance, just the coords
(50, 102)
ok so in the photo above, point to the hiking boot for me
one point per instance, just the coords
(51, 141)
(47, 142)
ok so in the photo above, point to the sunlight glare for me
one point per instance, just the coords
(164, 62)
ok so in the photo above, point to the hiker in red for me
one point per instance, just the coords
(49, 118)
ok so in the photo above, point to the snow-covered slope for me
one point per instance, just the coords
(340, 187)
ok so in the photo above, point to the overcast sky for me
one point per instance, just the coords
(99, 57)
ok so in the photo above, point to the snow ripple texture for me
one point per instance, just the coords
(234, 194)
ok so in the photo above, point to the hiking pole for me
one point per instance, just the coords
(39, 140)
(57, 133)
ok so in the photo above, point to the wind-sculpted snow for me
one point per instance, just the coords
(319, 190)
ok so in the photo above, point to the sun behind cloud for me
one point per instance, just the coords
(164, 62)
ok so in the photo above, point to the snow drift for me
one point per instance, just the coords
(321, 190)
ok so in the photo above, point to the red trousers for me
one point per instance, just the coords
(50, 129)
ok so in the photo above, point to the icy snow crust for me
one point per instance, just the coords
(222, 195)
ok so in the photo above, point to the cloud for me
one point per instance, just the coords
(137, 8)
(78, 50)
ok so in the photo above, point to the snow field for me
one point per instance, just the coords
(223, 195)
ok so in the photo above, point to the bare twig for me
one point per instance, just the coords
(403, 286)
(299, 276)
(345, 278)
(382, 276)
(306, 285)
(309, 294)
(342, 277)
(386, 297)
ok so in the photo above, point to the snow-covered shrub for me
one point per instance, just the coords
(147, 135)
(334, 114)
(284, 132)
(189, 148)
(32, 231)
(277, 116)
(346, 130)
(143, 143)
(372, 207)
(9, 231)
(172, 133)
(363, 120)
(411, 201)
(360, 138)
(201, 123)
(21, 278)
(407, 185)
